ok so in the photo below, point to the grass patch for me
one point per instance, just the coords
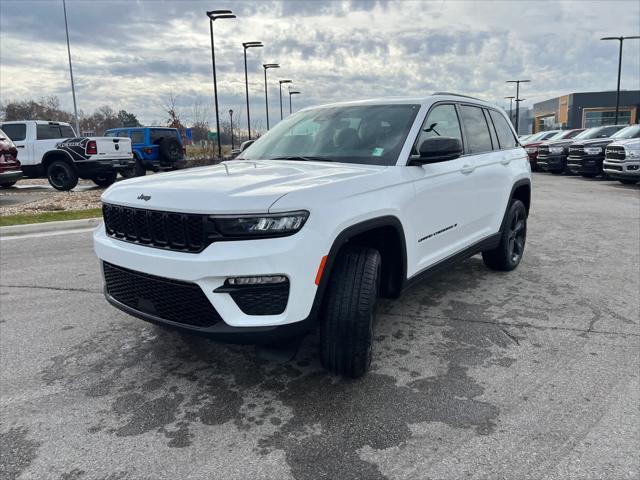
(24, 218)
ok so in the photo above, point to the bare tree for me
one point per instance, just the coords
(171, 108)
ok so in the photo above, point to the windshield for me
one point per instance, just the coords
(559, 135)
(632, 131)
(584, 133)
(599, 132)
(368, 134)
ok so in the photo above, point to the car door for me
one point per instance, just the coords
(438, 214)
(484, 156)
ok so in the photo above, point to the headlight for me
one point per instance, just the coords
(556, 150)
(256, 226)
(593, 150)
(532, 149)
(635, 153)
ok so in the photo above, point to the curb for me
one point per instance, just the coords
(45, 227)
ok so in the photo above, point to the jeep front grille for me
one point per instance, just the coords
(183, 232)
(164, 298)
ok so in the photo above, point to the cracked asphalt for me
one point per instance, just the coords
(531, 374)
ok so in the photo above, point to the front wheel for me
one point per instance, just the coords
(508, 254)
(105, 179)
(7, 184)
(346, 329)
(628, 181)
(61, 175)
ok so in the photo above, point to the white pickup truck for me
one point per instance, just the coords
(53, 150)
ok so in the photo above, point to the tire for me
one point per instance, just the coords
(138, 170)
(348, 314)
(170, 150)
(589, 175)
(61, 175)
(7, 184)
(508, 254)
(628, 182)
(105, 179)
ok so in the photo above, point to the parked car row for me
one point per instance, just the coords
(612, 151)
(53, 150)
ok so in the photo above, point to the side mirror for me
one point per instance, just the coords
(439, 149)
(245, 145)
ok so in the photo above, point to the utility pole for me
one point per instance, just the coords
(73, 88)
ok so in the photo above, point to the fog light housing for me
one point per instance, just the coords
(632, 167)
(256, 280)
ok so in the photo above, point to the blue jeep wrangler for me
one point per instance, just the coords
(154, 148)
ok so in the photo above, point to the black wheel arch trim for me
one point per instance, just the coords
(57, 152)
(519, 183)
(343, 237)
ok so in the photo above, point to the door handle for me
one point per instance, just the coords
(467, 168)
(19, 146)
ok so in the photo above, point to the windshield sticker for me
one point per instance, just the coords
(377, 152)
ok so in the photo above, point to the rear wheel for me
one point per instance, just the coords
(628, 181)
(346, 329)
(105, 179)
(138, 170)
(7, 184)
(61, 175)
(507, 255)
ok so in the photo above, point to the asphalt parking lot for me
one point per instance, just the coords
(529, 374)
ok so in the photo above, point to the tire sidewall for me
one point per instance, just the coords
(71, 180)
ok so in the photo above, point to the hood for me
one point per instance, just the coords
(238, 186)
(631, 143)
(595, 142)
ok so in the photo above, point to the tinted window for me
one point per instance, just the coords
(157, 134)
(477, 136)
(15, 131)
(66, 131)
(46, 132)
(505, 134)
(137, 136)
(441, 122)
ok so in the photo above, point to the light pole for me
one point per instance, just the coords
(247, 45)
(231, 120)
(621, 40)
(518, 82)
(73, 88)
(510, 107)
(281, 82)
(292, 92)
(215, 15)
(266, 67)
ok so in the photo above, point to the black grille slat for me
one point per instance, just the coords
(576, 152)
(616, 153)
(167, 299)
(184, 232)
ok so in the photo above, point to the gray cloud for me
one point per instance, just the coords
(133, 54)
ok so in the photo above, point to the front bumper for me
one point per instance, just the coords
(10, 176)
(89, 168)
(627, 170)
(552, 163)
(533, 160)
(297, 257)
(588, 164)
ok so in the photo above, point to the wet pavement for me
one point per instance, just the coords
(476, 374)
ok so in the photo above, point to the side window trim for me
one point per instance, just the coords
(464, 127)
(515, 137)
(495, 146)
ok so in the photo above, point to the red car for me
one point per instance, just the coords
(532, 143)
(10, 171)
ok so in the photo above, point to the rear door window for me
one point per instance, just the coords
(506, 139)
(48, 132)
(478, 138)
(15, 131)
(137, 136)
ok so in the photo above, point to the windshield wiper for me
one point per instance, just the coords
(303, 158)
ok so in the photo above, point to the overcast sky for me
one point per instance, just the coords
(132, 54)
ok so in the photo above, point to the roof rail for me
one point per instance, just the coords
(457, 95)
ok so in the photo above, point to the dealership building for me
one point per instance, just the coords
(585, 110)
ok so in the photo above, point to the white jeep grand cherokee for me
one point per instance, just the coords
(333, 207)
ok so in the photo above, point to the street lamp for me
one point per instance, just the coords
(292, 92)
(73, 88)
(215, 15)
(281, 82)
(231, 117)
(621, 40)
(518, 82)
(510, 107)
(247, 45)
(266, 67)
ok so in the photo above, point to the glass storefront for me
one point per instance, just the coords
(599, 118)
